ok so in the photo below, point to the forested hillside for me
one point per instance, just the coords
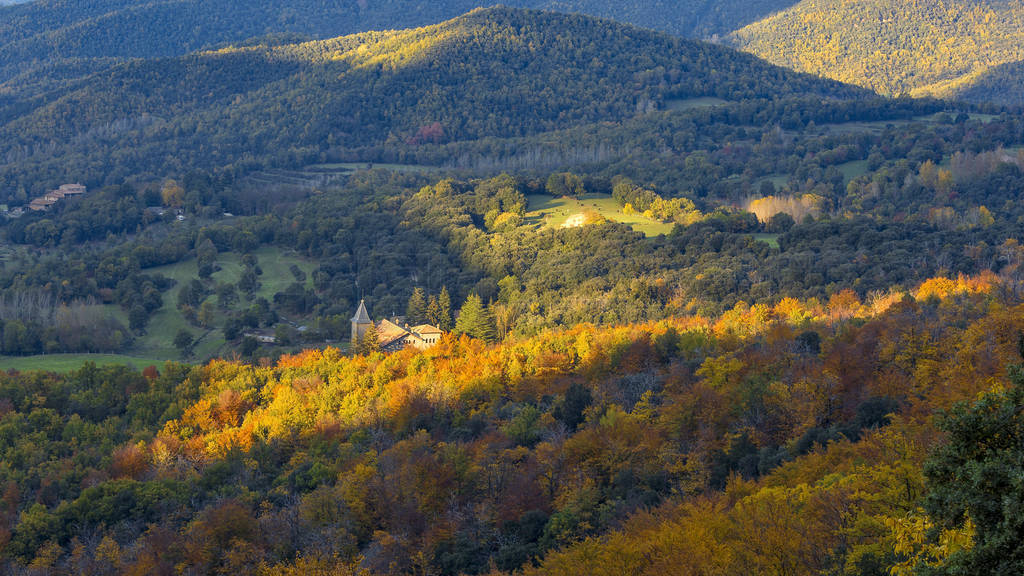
(493, 73)
(786, 439)
(895, 47)
(945, 48)
(997, 84)
(105, 30)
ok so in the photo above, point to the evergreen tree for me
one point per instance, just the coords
(444, 310)
(416, 310)
(370, 342)
(976, 475)
(475, 320)
(434, 312)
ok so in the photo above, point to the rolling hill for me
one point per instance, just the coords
(920, 48)
(36, 34)
(495, 72)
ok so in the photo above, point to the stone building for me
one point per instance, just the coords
(394, 335)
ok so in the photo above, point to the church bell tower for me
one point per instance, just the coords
(360, 323)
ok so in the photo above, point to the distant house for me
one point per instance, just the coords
(71, 189)
(262, 337)
(43, 203)
(47, 200)
(391, 336)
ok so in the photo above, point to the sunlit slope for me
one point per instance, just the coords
(494, 72)
(933, 47)
(49, 30)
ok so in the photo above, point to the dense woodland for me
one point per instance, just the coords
(934, 197)
(492, 73)
(946, 48)
(804, 431)
(98, 34)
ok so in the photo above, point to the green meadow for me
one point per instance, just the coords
(550, 212)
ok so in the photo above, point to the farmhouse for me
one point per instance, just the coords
(71, 189)
(43, 203)
(390, 335)
(47, 200)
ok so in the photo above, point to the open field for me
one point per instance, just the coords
(851, 170)
(778, 180)
(69, 362)
(769, 239)
(164, 325)
(552, 212)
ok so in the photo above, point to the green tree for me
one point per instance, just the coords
(433, 311)
(138, 318)
(444, 310)
(370, 342)
(977, 476)
(475, 320)
(206, 314)
(416, 310)
(249, 346)
(183, 342)
(565, 184)
(206, 257)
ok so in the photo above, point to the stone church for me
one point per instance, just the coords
(390, 335)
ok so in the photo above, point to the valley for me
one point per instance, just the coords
(555, 287)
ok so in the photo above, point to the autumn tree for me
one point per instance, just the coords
(172, 194)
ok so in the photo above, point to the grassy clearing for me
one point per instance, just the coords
(70, 362)
(276, 264)
(780, 181)
(851, 170)
(552, 212)
(691, 103)
(769, 239)
(164, 325)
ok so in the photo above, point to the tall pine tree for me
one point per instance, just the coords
(434, 312)
(370, 342)
(475, 320)
(416, 310)
(444, 315)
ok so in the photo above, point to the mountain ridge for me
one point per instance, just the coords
(493, 72)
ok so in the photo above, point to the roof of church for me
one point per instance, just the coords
(361, 316)
(388, 332)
